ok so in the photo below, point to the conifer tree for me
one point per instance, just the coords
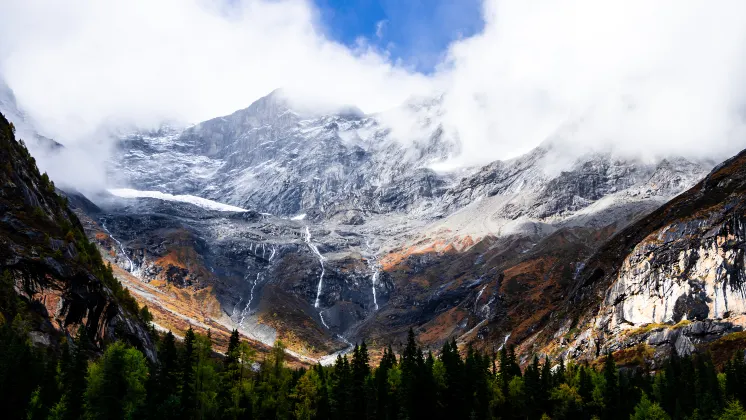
(73, 370)
(610, 390)
(453, 397)
(360, 371)
(341, 404)
(188, 361)
(116, 384)
(165, 401)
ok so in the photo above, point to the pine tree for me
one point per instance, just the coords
(412, 380)
(341, 404)
(360, 371)
(188, 361)
(383, 401)
(735, 378)
(585, 385)
(323, 406)
(116, 384)
(546, 385)
(532, 386)
(648, 410)
(610, 390)
(559, 376)
(164, 395)
(734, 411)
(707, 386)
(73, 369)
(453, 397)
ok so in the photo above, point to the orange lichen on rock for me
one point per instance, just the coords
(438, 246)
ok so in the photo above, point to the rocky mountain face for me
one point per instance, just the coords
(673, 281)
(55, 270)
(319, 230)
(272, 159)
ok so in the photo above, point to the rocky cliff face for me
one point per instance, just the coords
(673, 281)
(54, 269)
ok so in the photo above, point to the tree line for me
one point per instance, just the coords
(191, 381)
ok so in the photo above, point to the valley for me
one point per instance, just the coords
(331, 241)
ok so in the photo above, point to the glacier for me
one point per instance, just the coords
(184, 198)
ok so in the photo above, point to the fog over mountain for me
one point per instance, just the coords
(625, 75)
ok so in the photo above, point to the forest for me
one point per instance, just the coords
(192, 381)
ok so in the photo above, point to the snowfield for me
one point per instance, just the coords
(191, 199)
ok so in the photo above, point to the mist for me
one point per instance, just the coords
(647, 79)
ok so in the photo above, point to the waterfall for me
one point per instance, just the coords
(247, 308)
(373, 265)
(331, 358)
(315, 250)
(476, 302)
(505, 341)
(132, 269)
(272, 255)
(374, 280)
(321, 315)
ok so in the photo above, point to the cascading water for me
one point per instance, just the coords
(504, 342)
(254, 248)
(373, 265)
(315, 250)
(132, 269)
(331, 358)
(476, 301)
(374, 281)
(321, 315)
(272, 255)
(247, 308)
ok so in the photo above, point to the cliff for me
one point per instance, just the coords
(45, 257)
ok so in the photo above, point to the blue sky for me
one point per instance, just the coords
(417, 32)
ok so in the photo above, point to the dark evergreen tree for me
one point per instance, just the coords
(360, 371)
(323, 410)
(341, 401)
(412, 381)
(384, 404)
(707, 386)
(735, 378)
(453, 397)
(164, 400)
(610, 391)
(559, 375)
(188, 362)
(72, 371)
(585, 385)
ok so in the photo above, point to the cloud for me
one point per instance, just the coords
(649, 78)
(642, 77)
(76, 65)
(381, 28)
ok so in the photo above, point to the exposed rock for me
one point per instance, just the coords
(40, 249)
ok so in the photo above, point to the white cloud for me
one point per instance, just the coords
(381, 28)
(644, 76)
(652, 77)
(78, 64)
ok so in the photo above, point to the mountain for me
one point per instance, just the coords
(54, 279)
(674, 281)
(322, 229)
(38, 144)
(273, 159)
